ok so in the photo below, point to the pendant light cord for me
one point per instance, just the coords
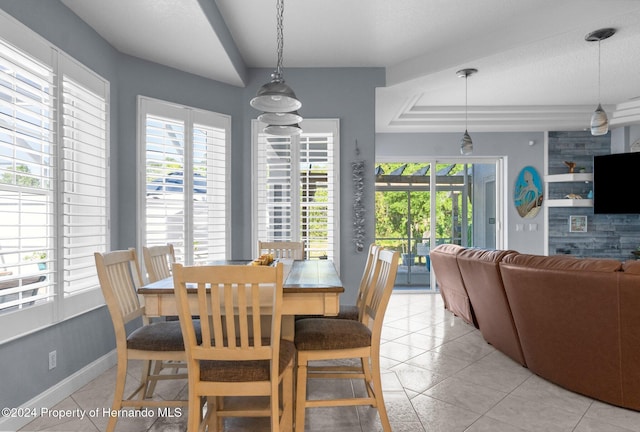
(280, 38)
(466, 105)
(599, 99)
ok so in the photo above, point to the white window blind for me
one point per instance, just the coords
(185, 154)
(84, 161)
(210, 214)
(53, 182)
(26, 179)
(275, 192)
(317, 188)
(296, 188)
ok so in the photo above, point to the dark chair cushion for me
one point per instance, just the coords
(244, 371)
(330, 334)
(160, 336)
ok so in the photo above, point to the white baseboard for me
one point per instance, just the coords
(61, 390)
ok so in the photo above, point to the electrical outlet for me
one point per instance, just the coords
(53, 359)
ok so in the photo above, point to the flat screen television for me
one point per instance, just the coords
(615, 179)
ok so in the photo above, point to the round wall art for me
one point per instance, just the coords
(527, 193)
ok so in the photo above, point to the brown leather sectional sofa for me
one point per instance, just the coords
(572, 321)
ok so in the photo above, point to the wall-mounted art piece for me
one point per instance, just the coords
(528, 192)
(577, 224)
(358, 205)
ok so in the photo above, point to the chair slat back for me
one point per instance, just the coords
(383, 280)
(232, 302)
(119, 276)
(367, 276)
(282, 249)
(158, 261)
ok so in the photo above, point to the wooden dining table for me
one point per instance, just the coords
(311, 287)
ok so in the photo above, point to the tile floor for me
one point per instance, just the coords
(439, 376)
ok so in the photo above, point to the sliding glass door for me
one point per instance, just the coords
(423, 204)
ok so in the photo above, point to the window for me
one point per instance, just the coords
(53, 177)
(296, 187)
(184, 152)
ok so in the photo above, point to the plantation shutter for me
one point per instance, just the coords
(164, 163)
(296, 189)
(317, 188)
(84, 183)
(26, 179)
(210, 214)
(275, 192)
(186, 180)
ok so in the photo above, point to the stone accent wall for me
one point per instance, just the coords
(607, 236)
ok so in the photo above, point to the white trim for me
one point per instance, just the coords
(60, 391)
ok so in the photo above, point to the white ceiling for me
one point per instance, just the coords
(536, 71)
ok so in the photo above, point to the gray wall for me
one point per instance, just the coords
(514, 146)
(347, 94)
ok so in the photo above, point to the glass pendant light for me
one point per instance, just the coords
(283, 130)
(276, 97)
(599, 120)
(466, 145)
(280, 118)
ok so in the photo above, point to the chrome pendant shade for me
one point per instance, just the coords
(275, 99)
(280, 118)
(599, 120)
(466, 144)
(275, 96)
(283, 130)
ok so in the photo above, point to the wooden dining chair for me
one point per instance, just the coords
(158, 261)
(282, 249)
(353, 311)
(119, 275)
(337, 339)
(232, 359)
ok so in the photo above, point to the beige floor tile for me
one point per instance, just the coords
(464, 394)
(540, 390)
(495, 371)
(438, 375)
(416, 378)
(534, 416)
(439, 416)
(617, 416)
(487, 424)
(594, 425)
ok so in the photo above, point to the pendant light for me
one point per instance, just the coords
(466, 145)
(599, 121)
(283, 130)
(276, 99)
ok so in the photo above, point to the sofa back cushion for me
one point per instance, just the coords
(454, 293)
(566, 313)
(630, 333)
(481, 275)
(631, 267)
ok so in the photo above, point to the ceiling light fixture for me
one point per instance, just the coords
(276, 99)
(599, 121)
(466, 145)
(283, 130)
